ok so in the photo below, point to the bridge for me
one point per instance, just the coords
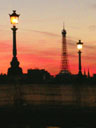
(44, 94)
(47, 106)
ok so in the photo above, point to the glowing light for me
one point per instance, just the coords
(79, 46)
(14, 20)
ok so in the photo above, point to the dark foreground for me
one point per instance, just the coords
(47, 117)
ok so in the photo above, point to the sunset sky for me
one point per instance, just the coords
(39, 38)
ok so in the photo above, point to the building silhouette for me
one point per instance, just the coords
(38, 75)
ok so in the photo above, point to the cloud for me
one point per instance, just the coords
(93, 6)
(43, 32)
(48, 33)
(70, 40)
(90, 46)
(92, 27)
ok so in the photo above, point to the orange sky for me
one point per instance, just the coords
(46, 54)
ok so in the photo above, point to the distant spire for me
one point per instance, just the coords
(88, 74)
(64, 31)
(84, 72)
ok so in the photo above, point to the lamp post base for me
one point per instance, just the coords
(14, 70)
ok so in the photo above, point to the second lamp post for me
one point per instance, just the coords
(79, 46)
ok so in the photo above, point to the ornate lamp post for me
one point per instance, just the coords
(79, 47)
(14, 69)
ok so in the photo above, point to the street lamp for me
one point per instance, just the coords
(14, 69)
(14, 19)
(79, 47)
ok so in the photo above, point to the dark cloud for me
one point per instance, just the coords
(47, 33)
(70, 41)
(90, 47)
(43, 32)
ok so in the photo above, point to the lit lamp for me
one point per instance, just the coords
(14, 18)
(79, 47)
(15, 69)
